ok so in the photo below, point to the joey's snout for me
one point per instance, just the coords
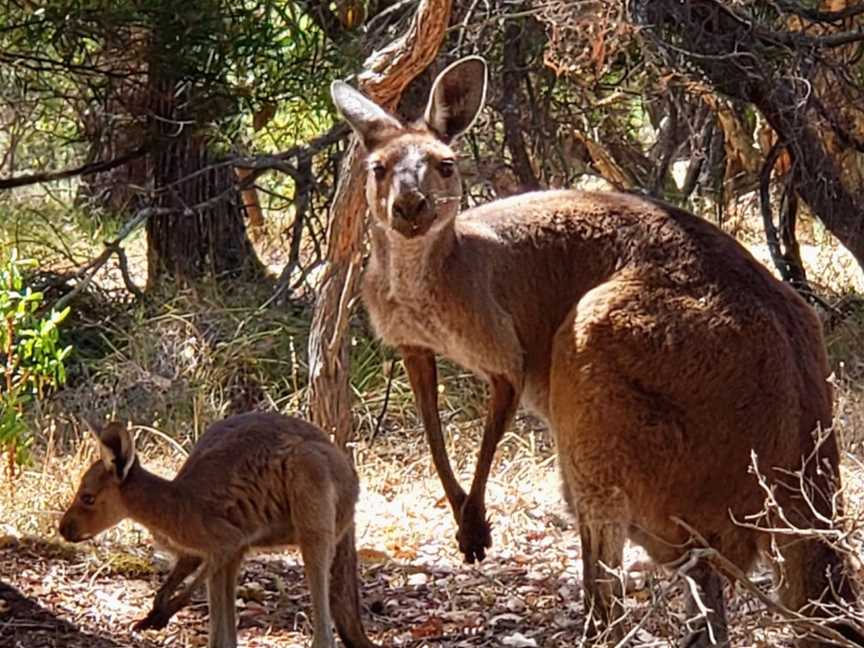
(69, 530)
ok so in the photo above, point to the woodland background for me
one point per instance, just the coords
(181, 235)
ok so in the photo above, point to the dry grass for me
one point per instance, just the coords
(417, 591)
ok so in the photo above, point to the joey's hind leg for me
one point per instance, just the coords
(345, 594)
(221, 588)
(706, 609)
(318, 550)
(314, 518)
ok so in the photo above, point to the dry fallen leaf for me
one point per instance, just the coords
(432, 627)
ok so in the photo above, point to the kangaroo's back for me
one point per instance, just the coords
(258, 467)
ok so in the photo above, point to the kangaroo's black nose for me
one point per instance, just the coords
(68, 530)
(410, 206)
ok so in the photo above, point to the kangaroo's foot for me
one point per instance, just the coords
(475, 532)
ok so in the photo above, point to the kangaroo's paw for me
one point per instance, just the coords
(156, 619)
(474, 533)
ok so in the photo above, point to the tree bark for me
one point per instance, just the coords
(205, 231)
(387, 73)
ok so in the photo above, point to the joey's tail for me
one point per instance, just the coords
(345, 596)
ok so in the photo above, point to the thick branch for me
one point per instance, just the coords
(111, 247)
(816, 15)
(705, 35)
(787, 258)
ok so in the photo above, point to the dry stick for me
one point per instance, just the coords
(111, 247)
(93, 167)
(810, 623)
(172, 442)
(834, 536)
(123, 262)
(664, 591)
(258, 164)
(383, 412)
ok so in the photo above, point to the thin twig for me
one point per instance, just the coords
(380, 419)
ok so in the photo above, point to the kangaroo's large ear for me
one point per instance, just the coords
(369, 120)
(117, 448)
(457, 97)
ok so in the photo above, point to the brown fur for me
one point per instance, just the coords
(252, 480)
(660, 352)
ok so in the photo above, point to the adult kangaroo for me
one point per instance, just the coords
(659, 351)
(252, 480)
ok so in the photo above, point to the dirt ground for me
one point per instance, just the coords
(416, 591)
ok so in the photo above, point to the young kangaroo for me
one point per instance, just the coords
(659, 351)
(252, 480)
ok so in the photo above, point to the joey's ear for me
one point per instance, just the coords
(117, 449)
(369, 120)
(456, 98)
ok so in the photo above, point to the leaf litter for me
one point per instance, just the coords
(416, 591)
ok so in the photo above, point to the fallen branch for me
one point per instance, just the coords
(814, 625)
(111, 247)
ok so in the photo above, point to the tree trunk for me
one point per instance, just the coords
(206, 233)
(118, 124)
(388, 72)
(512, 76)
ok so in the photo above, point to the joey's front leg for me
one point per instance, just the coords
(474, 530)
(164, 607)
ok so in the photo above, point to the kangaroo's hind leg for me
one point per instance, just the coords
(315, 525)
(602, 538)
(345, 594)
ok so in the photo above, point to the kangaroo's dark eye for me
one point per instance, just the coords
(88, 500)
(446, 167)
(378, 170)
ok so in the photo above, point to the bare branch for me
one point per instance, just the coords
(93, 167)
(111, 247)
(820, 16)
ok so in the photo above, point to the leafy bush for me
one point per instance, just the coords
(32, 359)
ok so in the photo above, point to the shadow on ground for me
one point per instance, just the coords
(26, 624)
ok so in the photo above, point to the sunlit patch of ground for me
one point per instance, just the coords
(416, 589)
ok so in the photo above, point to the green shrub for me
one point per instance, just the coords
(32, 359)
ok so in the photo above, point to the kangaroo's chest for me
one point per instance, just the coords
(404, 318)
(440, 319)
